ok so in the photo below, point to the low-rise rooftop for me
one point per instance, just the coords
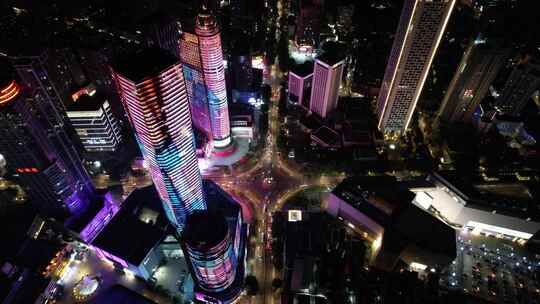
(140, 225)
(327, 136)
(515, 199)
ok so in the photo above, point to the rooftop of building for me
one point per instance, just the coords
(143, 63)
(303, 238)
(78, 222)
(86, 102)
(381, 197)
(138, 227)
(205, 19)
(411, 225)
(303, 70)
(507, 197)
(389, 203)
(119, 294)
(199, 234)
(327, 136)
(333, 52)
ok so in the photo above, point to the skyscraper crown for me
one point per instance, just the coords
(205, 20)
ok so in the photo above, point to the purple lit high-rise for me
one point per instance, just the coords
(38, 151)
(152, 89)
(202, 58)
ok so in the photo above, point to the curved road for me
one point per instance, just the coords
(264, 188)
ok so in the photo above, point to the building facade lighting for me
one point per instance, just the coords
(421, 27)
(158, 110)
(202, 57)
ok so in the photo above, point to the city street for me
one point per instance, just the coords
(269, 151)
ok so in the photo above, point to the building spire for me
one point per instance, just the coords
(205, 19)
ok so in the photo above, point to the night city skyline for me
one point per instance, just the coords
(270, 151)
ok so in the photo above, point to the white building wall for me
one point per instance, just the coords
(339, 208)
(456, 211)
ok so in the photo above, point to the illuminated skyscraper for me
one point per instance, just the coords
(478, 68)
(300, 78)
(211, 251)
(95, 124)
(47, 74)
(152, 89)
(38, 152)
(49, 70)
(518, 89)
(325, 85)
(421, 27)
(202, 58)
(196, 88)
(215, 254)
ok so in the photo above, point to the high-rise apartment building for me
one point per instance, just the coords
(202, 58)
(38, 152)
(49, 70)
(151, 86)
(421, 27)
(327, 75)
(95, 124)
(518, 89)
(300, 79)
(478, 68)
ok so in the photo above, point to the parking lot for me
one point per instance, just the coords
(495, 269)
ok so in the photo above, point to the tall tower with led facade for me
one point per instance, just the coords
(213, 256)
(202, 56)
(421, 27)
(151, 86)
(194, 77)
(38, 152)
